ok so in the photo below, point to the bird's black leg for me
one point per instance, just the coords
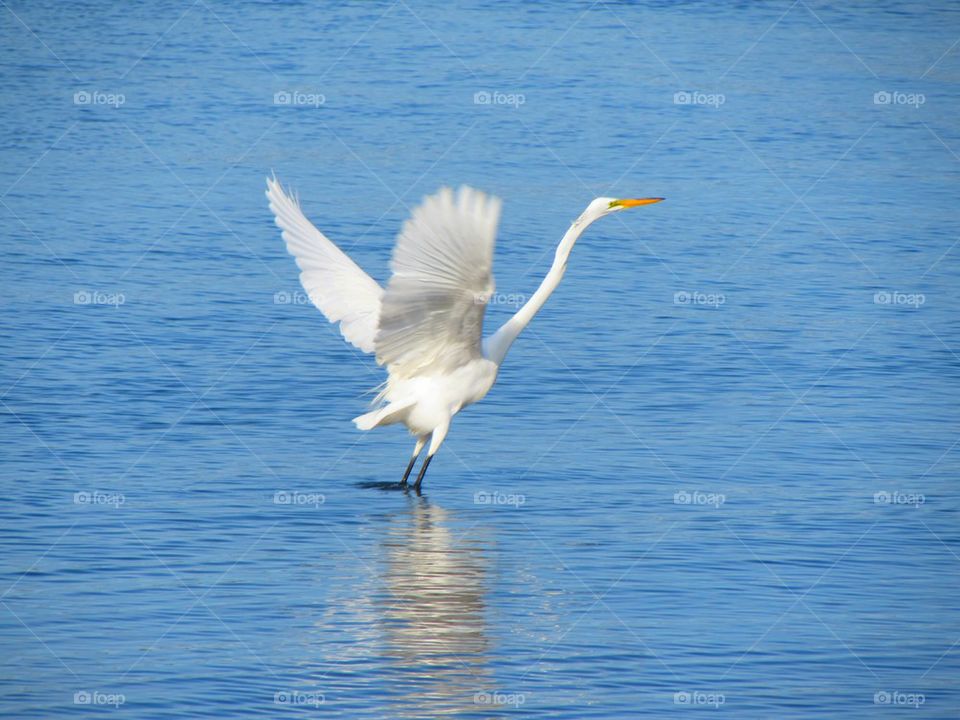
(421, 441)
(423, 471)
(406, 474)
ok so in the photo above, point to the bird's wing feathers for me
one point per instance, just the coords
(334, 283)
(432, 312)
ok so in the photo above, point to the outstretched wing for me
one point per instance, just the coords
(431, 317)
(334, 283)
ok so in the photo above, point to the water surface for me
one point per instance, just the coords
(717, 474)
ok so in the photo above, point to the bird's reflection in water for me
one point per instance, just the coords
(432, 612)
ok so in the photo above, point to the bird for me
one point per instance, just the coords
(426, 326)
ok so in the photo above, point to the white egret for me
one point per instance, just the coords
(426, 326)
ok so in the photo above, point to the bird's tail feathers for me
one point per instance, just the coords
(386, 415)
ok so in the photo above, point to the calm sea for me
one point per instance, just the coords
(717, 476)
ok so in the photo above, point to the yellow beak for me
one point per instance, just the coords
(634, 202)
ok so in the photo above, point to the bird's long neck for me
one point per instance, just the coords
(497, 345)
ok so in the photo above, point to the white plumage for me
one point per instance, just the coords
(431, 317)
(426, 328)
(333, 282)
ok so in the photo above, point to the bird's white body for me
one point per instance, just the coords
(427, 402)
(426, 326)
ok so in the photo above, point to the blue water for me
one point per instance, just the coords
(721, 465)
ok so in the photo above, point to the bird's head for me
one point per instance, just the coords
(603, 206)
(606, 206)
